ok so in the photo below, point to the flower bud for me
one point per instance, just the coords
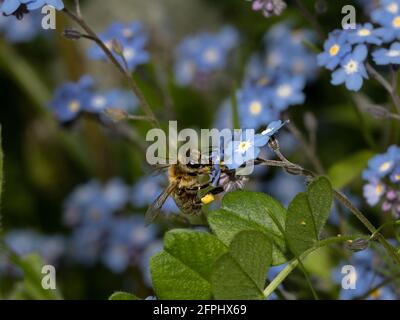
(72, 34)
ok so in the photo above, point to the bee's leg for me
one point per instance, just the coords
(217, 190)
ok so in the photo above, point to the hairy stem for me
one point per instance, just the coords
(390, 88)
(132, 83)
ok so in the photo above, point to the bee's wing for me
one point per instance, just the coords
(159, 169)
(155, 207)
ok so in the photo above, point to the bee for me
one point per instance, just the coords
(184, 187)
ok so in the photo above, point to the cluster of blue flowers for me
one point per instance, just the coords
(200, 55)
(383, 177)
(369, 274)
(102, 229)
(24, 242)
(71, 99)
(275, 79)
(21, 7)
(126, 41)
(346, 51)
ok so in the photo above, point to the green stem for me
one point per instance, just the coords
(295, 262)
(25, 76)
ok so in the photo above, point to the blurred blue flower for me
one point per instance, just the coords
(203, 53)
(72, 98)
(284, 187)
(254, 107)
(288, 91)
(387, 8)
(116, 194)
(24, 242)
(86, 244)
(373, 192)
(387, 15)
(387, 56)
(395, 176)
(19, 31)
(146, 191)
(144, 263)
(132, 39)
(364, 34)
(36, 4)
(366, 278)
(352, 70)
(21, 7)
(127, 238)
(77, 203)
(17, 7)
(335, 48)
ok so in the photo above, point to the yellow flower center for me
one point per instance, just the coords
(364, 32)
(255, 108)
(376, 294)
(263, 81)
(74, 106)
(397, 177)
(284, 91)
(351, 67)
(334, 50)
(396, 22)
(243, 146)
(379, 189)
(385, 166)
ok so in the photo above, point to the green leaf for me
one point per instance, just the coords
(307, 215)
(245, 210)
(122, 296)
(1, 165)
(345, 171)
(183, 269)
(240, 274)
(31, 266)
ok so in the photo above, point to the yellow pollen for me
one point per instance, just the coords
(255, 107)
(385, 166)
(334, 50)
(74, 106)
(208, 199)
(397, 177)
(364, 32)
(396, 22)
